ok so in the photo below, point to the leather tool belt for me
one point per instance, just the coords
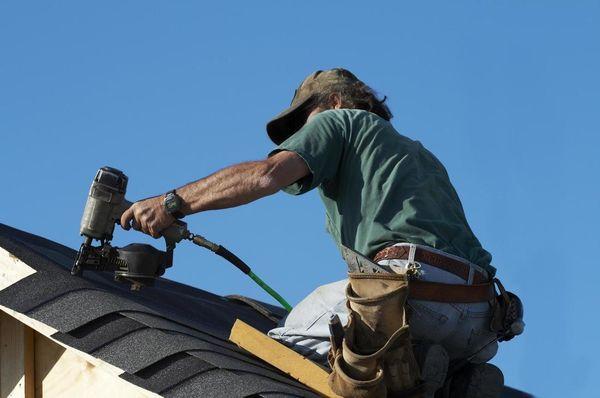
(481, 289)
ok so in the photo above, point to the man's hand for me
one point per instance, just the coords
(148, 216)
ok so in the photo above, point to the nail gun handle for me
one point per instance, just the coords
(176, 232)
(173, 234)
(119, 210)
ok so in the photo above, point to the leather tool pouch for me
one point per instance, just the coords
(507, 313)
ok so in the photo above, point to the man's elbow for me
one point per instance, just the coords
(270, 180)
(268, 183)
(281, 170)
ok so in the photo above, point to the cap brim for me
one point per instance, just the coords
(289, 121)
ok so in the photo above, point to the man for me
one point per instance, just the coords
(389, 199)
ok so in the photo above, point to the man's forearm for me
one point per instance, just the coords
(230, 187)
(233, 186)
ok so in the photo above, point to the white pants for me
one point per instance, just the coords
(462, 329)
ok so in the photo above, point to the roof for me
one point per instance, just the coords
(171, 338)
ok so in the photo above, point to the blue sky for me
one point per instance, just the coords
(506, 94)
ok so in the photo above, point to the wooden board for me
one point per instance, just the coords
(20, 270)
(57, 369)
(29, 361)
(281, 357)
(12, 358)
(17, 336)
(32, 363)
(12, 269)
(60, 372)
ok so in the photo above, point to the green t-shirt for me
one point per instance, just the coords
(380, 187)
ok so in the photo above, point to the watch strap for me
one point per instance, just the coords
(177, 212)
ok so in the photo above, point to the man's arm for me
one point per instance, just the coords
(233, 186)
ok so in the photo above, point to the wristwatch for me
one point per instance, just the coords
(173, 203)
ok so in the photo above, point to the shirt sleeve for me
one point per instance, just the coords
(320, 143)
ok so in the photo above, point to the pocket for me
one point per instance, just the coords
(420, 310)
(479, 310)
(433, 321)
(478, 318)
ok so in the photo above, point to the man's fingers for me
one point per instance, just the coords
(141, 217)
(144, 226)
(149, 228)
(135, 225)
(154, 233)
(126, 218)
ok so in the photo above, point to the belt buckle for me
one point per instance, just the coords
(413, 268)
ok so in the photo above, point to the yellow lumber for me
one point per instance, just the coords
(281, 357)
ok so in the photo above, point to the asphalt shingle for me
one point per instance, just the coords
(170, 338)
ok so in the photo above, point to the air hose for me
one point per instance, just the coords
(242, 266)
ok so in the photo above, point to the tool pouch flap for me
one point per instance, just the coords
(357, 263)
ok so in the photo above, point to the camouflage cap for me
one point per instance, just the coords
(293, 118)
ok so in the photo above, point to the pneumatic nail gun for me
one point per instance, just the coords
(139, 264)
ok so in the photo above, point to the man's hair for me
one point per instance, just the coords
(356, 95)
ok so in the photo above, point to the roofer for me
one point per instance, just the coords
(387, 198)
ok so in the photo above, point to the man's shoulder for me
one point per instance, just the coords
(356, 120)
(359, 126)
(343, 121)
(345, 113)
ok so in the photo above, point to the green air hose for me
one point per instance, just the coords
(242, 266)
(270, 290)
